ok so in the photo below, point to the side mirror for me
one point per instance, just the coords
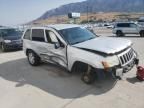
(57, 45)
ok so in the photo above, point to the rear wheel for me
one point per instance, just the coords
(33, 58)
(142, 33)
(119, 34)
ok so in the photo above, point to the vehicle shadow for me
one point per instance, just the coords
(52, 79)
(133, 80)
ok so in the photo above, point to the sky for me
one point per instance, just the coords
(15, 12)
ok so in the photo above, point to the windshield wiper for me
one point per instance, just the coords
(77, 42)
(91, 38)
(83, 40)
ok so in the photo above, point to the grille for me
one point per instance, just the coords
(16, 41)
(126, 57)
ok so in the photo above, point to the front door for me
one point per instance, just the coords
(54, 54)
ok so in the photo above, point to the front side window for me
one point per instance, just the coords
(123, 25)
(38, 35)
(27, 34)
(133, 25)
(51, 37)
(76, 35)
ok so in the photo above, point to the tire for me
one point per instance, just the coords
(33, 58)
(89, 77)
(142, 33)
(3, 48)
(118, 77)
(119, 34)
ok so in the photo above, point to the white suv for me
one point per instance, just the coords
(79, 50)
(120, 29)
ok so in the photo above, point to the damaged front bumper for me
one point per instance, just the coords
(116, 71)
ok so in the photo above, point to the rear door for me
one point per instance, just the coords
(125, 27)
(133, 28)
(130, 28)
(38, 41)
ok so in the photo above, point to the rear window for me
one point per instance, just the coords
(123, 25)
(38, 35)
(27, 34)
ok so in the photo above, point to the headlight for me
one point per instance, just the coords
(110, 62)
(106, 65)
(7, 41)
(20, 40)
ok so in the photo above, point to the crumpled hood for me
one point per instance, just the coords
(105, 45)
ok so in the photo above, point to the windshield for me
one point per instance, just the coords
(76, 35)
(10, 32)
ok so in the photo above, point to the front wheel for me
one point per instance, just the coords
(119, 34)
(89, 76)
(33, 58)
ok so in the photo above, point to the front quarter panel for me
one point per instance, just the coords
(76, 54)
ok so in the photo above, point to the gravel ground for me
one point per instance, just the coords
(49, 86)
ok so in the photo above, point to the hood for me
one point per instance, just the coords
(105, 45)
(12, 37)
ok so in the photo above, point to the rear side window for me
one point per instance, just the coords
(38, 35)
(123, 25)
(27, 34)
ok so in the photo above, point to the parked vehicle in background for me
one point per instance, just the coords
(90, 28)
(78, 50)
(10, 38)
(121, 29)
(141, 21)
(106, 24)
(110, 26)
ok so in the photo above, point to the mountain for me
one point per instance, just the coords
(93, 6)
